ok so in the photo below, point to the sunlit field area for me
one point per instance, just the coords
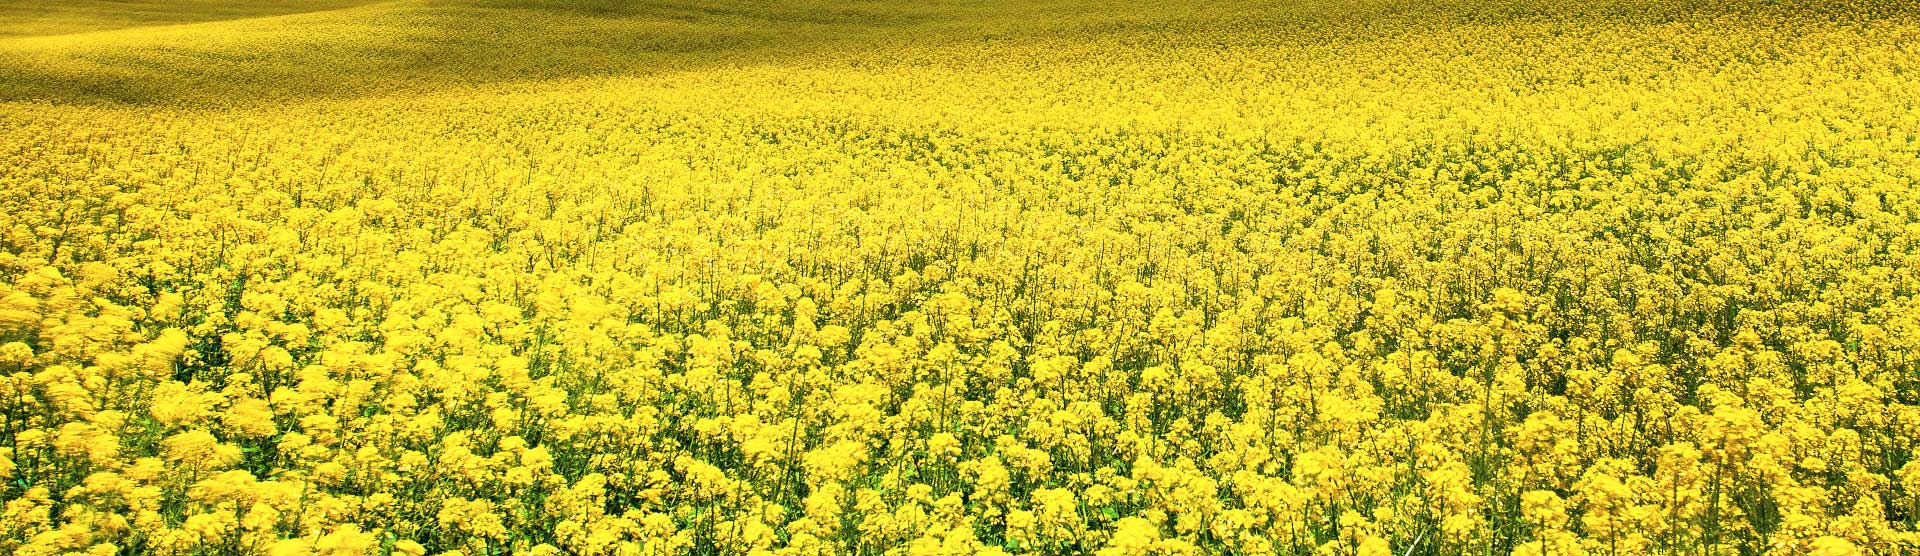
(956, 278)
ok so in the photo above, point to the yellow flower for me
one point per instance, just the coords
(346, 540)
(1827, 545)
(1132, 536)
(408, 548)
(199, 448)
(249, 418)
(943, 445)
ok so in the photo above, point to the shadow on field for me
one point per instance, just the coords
(418, 46)
(28, 18)
(224, 53)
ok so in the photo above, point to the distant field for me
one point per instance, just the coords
(744, 277)
(21, 18)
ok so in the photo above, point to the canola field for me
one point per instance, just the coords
(945, 278)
